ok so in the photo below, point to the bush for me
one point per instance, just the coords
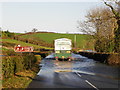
(7, 44)
(7, 67)
(114, 59)
(17, 63)
(7, 34)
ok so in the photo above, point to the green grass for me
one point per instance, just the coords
(3, 49)
(83, 41)
(22, 43)
(0, 40)
(20, 81)
(17, 33)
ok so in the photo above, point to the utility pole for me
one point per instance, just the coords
(75, 41)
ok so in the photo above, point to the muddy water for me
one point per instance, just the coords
(82, 65)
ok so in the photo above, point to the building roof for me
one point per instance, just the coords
(63, 39)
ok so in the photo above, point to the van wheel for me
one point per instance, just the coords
(56, 59)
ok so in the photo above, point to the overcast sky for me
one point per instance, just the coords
(45, 16)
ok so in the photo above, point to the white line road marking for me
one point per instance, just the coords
(89, 73)
(88, 82)
(78, 74)
(91, 84)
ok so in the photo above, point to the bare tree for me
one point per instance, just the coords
(25, 31)
(34, 30)
(116, 29)
(100, 25)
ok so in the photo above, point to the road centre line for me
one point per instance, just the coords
(89, 73)
(91, 84)
(87, 81)
(78, 74)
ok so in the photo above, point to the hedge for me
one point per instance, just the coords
(17, 63)
(108, 58)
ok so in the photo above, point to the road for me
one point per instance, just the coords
(79, 73)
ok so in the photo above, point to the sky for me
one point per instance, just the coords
(51, 16)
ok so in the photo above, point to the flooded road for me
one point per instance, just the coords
(78, 73)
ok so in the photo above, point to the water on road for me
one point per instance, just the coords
(78, 73)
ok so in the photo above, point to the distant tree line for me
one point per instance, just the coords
(104, 25)
(7, 34)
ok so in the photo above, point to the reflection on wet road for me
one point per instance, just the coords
(78, 73)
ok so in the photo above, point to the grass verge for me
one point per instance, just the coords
(20, 80)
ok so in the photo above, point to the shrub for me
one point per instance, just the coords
(7, 44)
(7, 67)
(114, 59)
(17, 63)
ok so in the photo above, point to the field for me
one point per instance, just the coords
(82, 41)
(21, 43)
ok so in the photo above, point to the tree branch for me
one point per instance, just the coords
(117, 14)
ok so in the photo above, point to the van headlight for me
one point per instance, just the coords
(67, 51)
(57, 51)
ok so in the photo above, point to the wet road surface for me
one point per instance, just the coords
(78, 73)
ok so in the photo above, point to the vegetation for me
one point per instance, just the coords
(7, 34)
(103, 24)
(81, 40)
(107, 58)
(39, 39)
(20, 80)
(103, 33)
(33, 40)
(34, 30)
(117, 28)
(12, 43)
(20, 68)
(16, 62)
